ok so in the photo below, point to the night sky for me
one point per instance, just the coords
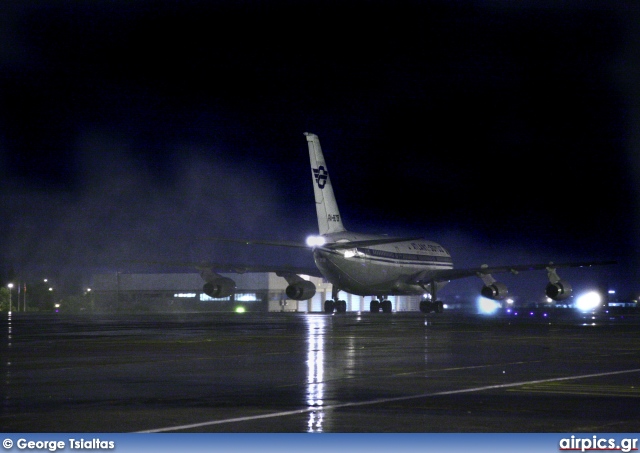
(139, 130)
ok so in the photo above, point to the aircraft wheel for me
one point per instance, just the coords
(374, 306)
(425, 306)
(329, 306)
(386, 306)
(341, 306)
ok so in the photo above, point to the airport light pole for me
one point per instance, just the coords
(19, 294)
(50, 303)
(10, 286)
(90, 297)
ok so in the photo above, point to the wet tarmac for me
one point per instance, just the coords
(286, 372)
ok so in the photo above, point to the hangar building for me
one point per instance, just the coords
(123, 292)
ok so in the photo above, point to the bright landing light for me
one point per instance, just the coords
(487, 306)
(350, 253)
(315, 241)
(588, 301)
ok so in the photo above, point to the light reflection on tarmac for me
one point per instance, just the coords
(285, 372)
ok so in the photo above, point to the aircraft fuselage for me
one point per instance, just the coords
(380, 270)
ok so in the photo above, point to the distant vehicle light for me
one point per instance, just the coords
(315, 241)
(589, 301)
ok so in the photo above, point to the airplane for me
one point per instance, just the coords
(375, 265)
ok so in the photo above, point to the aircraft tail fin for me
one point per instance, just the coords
(329, 220)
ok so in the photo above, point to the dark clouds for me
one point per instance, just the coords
(136, 128)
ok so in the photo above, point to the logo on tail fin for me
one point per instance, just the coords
(321, 175)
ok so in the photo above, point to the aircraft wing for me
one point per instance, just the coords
(261, 242)
(242, 269)
(331, 245)
(428, 276)
(236, 268)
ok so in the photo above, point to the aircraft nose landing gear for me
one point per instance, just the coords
(376, 305)
(427, 306)
(340, 306)
(432, 304)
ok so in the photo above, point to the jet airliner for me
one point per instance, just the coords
(376, 265)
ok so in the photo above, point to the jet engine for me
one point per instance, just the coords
(220, 287)
(301, 290)
(559, 290)
(495, 291)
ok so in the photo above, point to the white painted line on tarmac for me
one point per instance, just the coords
(381, 401)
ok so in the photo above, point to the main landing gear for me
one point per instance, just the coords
(340, 306)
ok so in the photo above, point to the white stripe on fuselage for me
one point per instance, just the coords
(367, 257)
(361, 270)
